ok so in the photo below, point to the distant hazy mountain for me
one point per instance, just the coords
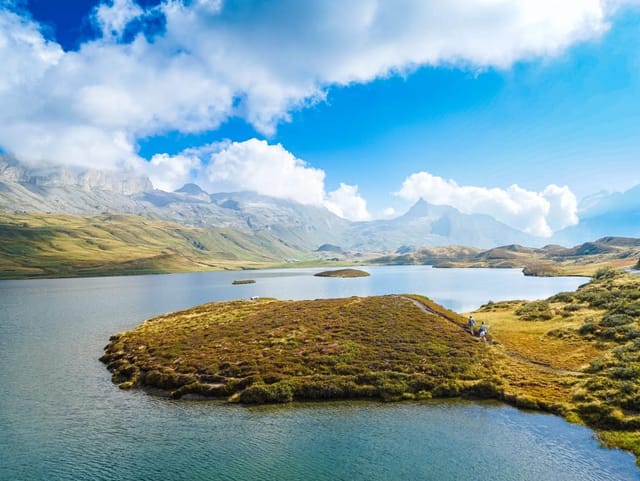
(603, 215)
(437, 225)
(301, 227)
(297, 224)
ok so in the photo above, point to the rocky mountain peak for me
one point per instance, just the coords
(191, 189)
(422, 208)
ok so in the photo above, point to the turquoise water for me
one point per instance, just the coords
(62, 419)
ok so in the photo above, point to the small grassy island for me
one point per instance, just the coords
(576, 354)
(343, 273)
(238, 282)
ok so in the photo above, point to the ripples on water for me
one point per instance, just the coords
(62, 419)
(351, 441)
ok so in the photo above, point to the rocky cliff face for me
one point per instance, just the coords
(124, 183)
(11, 171)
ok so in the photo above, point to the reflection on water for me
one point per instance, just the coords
(62, 419)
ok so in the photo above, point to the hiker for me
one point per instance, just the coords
(483, 332)
(471, 324)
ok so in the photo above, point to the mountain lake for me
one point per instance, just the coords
(61, 418)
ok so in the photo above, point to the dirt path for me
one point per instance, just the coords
(428, 310)
(513, 355)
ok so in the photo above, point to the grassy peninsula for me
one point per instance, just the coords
(576, 354)
(344, 273)
(386, 347)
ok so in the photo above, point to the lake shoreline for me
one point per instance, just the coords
(75, 317)
(332, 350)
(270, 266)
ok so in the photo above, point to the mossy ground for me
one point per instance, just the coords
(383, 347)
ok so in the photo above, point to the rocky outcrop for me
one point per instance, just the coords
(119, 182)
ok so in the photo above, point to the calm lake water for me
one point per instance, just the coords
(61, 418)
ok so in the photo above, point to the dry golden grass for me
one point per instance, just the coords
(579, 261)
(535, 340)
(381, 347)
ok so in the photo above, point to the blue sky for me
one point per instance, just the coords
(517, 109)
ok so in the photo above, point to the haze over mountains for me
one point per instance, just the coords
(302, 227)
(606, 214)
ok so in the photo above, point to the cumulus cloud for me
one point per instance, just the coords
(112, 19)
(563, 207)
(257, 166)
(25, 54)
(537, 213)
(212, 60)
(347, 203)
(170, 172)
(266, 169)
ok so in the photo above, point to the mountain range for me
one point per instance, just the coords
(298, 227)
(605, 214)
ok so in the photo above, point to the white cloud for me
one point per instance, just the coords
(169, 173)
(563, 207)
(219, 59)
(112, 19)
(538, 213)
(387, 213)
(345, 202)
(25, 54)
(255, 165)
(266, 169)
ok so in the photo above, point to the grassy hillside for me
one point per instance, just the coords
(47, 245)
(59, 245)
(584, 259)
(576, 354)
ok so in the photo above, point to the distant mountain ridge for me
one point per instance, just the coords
(304, 228)
(429, 225)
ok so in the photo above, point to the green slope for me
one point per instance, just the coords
(48, 245)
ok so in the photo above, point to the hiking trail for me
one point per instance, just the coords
(516, 356)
